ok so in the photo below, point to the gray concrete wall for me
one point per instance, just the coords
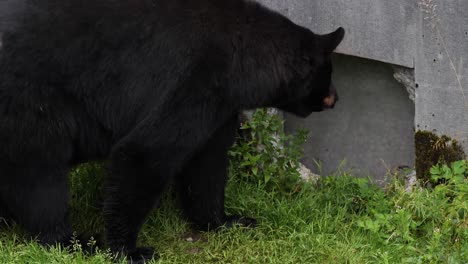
(442, 70)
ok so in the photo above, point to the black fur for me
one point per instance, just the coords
(155, 86)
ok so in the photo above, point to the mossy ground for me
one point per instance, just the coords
(431, 150)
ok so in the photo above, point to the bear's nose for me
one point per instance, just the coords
(330, 101)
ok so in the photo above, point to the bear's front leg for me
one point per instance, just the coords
(143, 163)
(134, 186)
(201, 184)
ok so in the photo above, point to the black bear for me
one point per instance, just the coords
(155, 87)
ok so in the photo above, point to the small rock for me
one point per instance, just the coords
(410, 181)
(307, 175)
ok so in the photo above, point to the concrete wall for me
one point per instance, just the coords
(442, 70)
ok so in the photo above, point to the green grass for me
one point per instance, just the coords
(338, 220)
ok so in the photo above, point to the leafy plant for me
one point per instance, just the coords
(265, 155)
(427, 221)
(432, 150)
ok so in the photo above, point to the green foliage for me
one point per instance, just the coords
(267, 156)
(335, 220)
(86, 182)
(432, 150)
(354, 195)
(430, 222)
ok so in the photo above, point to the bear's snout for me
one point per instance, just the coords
(331, 99)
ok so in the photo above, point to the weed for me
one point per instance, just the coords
(432, 150)
(430, 222)
(267, 156)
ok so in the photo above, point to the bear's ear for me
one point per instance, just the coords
(331, 41)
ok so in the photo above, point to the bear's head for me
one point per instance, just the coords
(317, 92)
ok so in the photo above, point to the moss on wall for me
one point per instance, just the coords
(432, 149)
